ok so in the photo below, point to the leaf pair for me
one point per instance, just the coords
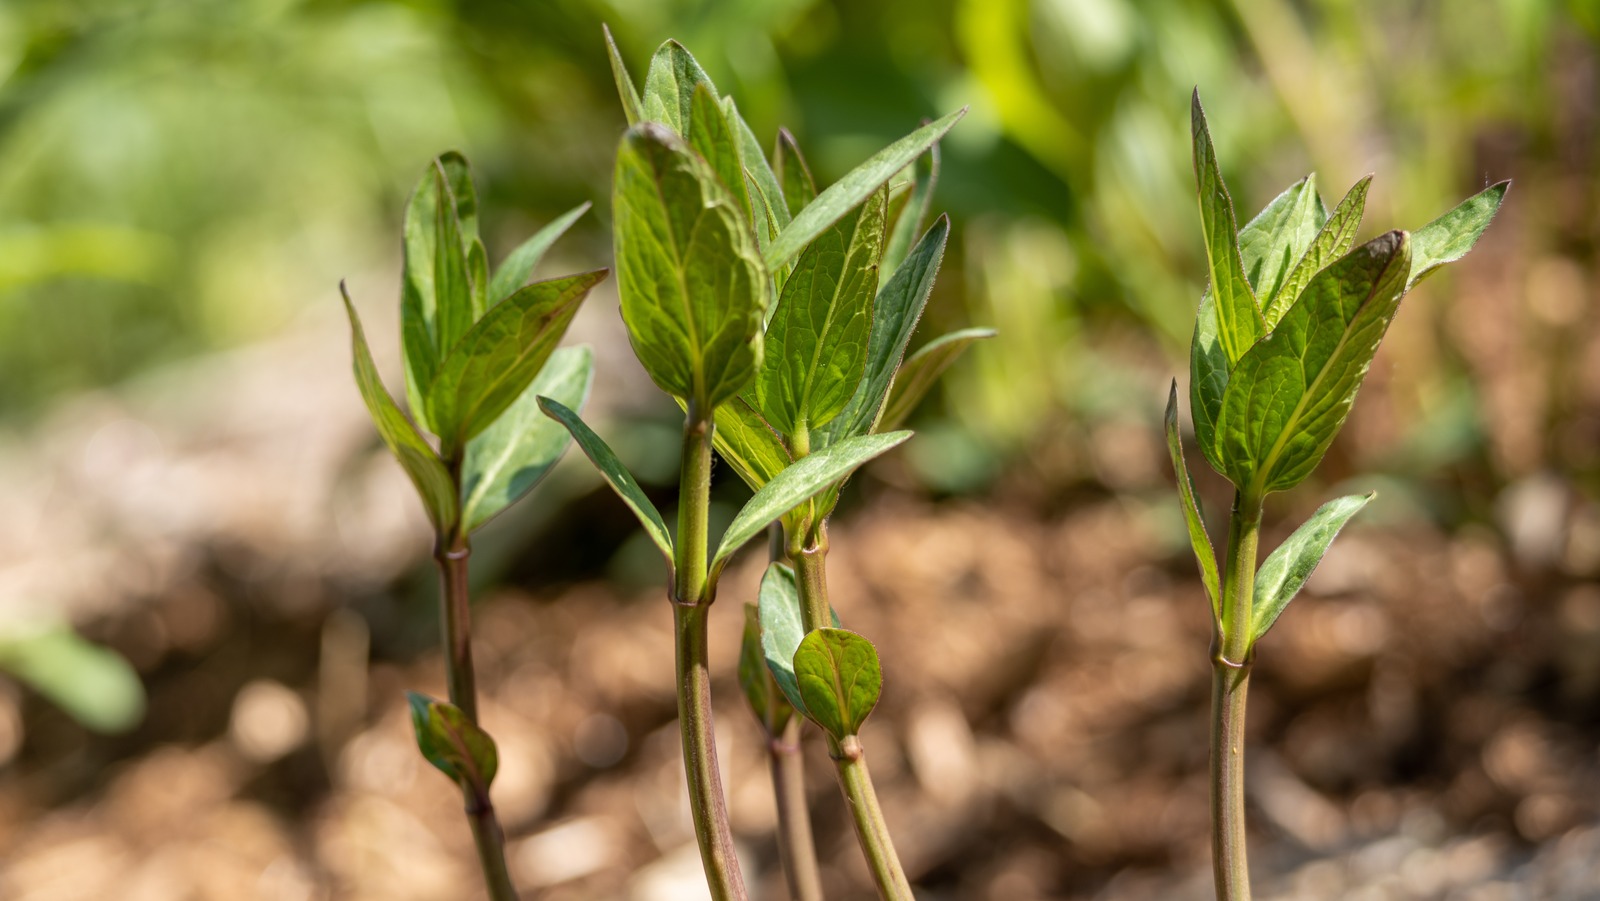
(476, 351)
(791, 487)
(1292, 317)
(832, 676)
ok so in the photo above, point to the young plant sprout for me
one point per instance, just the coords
(709, 237)
(479, 350)
(1285, 334)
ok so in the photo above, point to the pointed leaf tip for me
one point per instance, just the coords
(1286, 569)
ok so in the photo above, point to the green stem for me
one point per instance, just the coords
(796, 847)
(1230, 683)
(871, 829)
(452, 554)
(691, 605)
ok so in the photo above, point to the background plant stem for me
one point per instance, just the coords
(691, 605)
(796, 847)
(1230, 683)
(452, 554)
(871, 829)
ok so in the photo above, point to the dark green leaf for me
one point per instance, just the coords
(451, 284)
(1449, 237)
(909, 224)
(1287, 568)
(1208, 380)
(710, 137)
(1334, 240)
(508, 458)
(799, 188)
(458, 175)
(798, 483)
(1271, 243)
(895, 313)
(1288, 397)
(94, 685)
(499, 357)
(782, 628)
(453, 743)
(427, 472)
(514, 271)
(478, 277)
(839, 678)
(771, 708)
(418, 303)
(631, 105)
(922, 369)
(847, 193)
(669, 87)
(615, 474)
(1239, 322)
(1204, 552)
(817, 339)
(693, 287)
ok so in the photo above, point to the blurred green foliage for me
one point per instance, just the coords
(180, 176)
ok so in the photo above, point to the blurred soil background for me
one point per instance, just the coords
(215, 584)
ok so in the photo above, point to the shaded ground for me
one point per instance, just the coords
(1424, 722)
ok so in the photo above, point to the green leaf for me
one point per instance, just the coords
(458, 175)
(799, 188)
(755, 165)
(1239, 322)
(451, 284)
(771, 708)
(1271, 243)
(454, 744)
(615, 474)
(1204, 552)
(669, 87)
(710, 137)
(797, 484)
(514, 271)
(427, 472)
(749, 443)
(1287, 568)
(94, 685)
(840, 679)
(418, 303)
(693, 287)
(909, 224)
(511, 456)
(1289, 396)
(923, 368)
(895, 313)
(1334, 240)
(631, 105)
(478, 277)
(847, 193)
(1208, 381)
(1449, 237)
(782, 628)
(490, 367)
(817, 339)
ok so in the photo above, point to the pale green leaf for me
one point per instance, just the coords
(799, 188)
(756, 167)
(771, 707)
(1271, 243)
(817, 340)
(797, 484)
(515, 269)
(693, 287)
(711, 137)
(1239, 322)
(749, 443)
(910, 221)
(839, 678)
(920, 370)
(615, 474)
(782, 628)
(1204, 552)
(669, 87)
(632, 107)
(93, 684)
(499, 357)
(1289, 396)
(1334, 240)
(508, 458)
(424, 467)
(1449, 237)
(847, 193)
(1287, 568)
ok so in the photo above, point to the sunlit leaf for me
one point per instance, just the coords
(910, 221)
(669, 87)
(1334, 240)
(840, 679)
(1239, 321)
(514, 271)
(1272, 242)
(94, 685)
(1204, 552)
(918, 373)
(615, 474)
(631, 105)
(453, 743)
(1287, 568)
(799, 188)
(1449, 237)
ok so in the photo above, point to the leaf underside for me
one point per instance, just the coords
(615, 474)
(1288, 567)
(840, 678)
